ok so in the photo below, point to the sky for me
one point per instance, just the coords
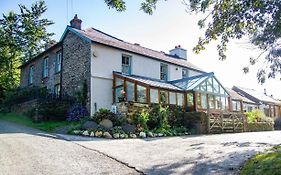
(169, 26)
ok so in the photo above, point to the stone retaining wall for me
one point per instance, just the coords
(24, 107)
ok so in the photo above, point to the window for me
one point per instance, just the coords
(180, 99)
(58, 62)
(130, 87)
(185, 73)
(236, 105)
(57, 90)
(154, 96)
(141, 94)
(211, 101)
(218, 102)
(164, 97)
(45, 67)
(126, 64)
(204, 101)
(163, 72)
(173, 98)
(190, 102)
(199, 101)
(119, 94)
(30, 75)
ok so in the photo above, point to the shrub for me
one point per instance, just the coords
(76, 113)
(257, 116)
(176, 118)
(277, 123)
(142, 119)
(104, 114)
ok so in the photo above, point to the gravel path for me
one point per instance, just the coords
(207, 154)
(24, 151)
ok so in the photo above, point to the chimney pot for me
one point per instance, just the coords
(76, 23)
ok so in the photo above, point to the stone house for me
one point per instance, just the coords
(115, 70)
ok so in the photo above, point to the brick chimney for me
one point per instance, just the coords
(76, 23)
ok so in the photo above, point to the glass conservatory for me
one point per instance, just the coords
(197, 93)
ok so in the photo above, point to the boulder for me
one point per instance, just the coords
(85, 133)
(133, 136)
(142, 135)
(107, 135)
(90, 125)
(92, 134)
(116, 135)
(128, 128)
(122, 136)
(150, 134)
(76, 132)
(160, 134)
(98, 133)
(106, 123)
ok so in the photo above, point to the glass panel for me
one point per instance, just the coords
(164, 97)
(204, 101)
(30, 78)
(45, 67)
(223, 103)
(209, 85)
(211, 102)
(238, 106)
(118, 94)
(130, 95)
(126, 64)
(226, 103)
(190, 101)
(199, 103)
(185, 73)
(141, 94)
(216, 86)
(203, 86)
(154, 96)
(58, 62)
(180, 99)
(172, 96)
(218, 102)
(164, 72)
(119, 82)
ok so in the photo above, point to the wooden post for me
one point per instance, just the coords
(195, 101)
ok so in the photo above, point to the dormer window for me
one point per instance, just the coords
(163, 72)
(126, 64)
(185, 73)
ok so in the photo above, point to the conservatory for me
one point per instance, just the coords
(197, 93)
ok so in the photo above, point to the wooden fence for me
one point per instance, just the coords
(226, 122)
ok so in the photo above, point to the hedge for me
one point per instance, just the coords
(259, 126)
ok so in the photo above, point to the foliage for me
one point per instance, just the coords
(47, 126)
(176, 116)
(277, 123)
(30, 113)
(22, 36)
(265, 163)
(104, 114)
(54, 110)
(76, 113)
(259, 126)
(164, 114)
(142, 119)
(257, 116)
(232, 19)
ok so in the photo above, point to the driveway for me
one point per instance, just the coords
(206, 154)
(24, 151)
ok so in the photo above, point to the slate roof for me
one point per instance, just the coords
(236, 96)
(100, 37)
(257, 95)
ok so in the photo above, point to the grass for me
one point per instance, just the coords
(48, 126)
(263, 164)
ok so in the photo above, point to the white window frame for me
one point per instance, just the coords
(45, 67)
(58, 61)
(127, 64)
(30, 74)
(164, 75)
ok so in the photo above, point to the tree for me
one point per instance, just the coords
(259, 20)
(22, 36)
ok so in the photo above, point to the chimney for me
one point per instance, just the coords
(76, 23)
(50, 44)
(178, 52)
(264, 91)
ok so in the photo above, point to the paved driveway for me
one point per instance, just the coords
(207, 154)
(24, 151)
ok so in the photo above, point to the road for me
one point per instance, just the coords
(25, 151)
(196, 155)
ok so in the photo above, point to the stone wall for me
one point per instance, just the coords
(24, 107)
(38, 80)
(76, 65)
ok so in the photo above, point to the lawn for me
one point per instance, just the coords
(263, 164)
(47, 126)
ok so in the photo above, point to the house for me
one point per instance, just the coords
(268, 104)
(115, 70)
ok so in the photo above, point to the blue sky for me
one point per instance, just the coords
(170, 25)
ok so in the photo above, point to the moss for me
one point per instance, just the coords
(267, 163)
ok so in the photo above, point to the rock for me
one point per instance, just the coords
(85, 133)
(150, 134)
(122, 136)
(142, 135)
(126, 136)
(90, 125)
(107, 135)
(128, 128)
(98, 133)
(116, 135)
(77, 132)
(106, 123)
(92, 134)
(133, 136)
(160, 134)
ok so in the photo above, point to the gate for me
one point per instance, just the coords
(226, 122)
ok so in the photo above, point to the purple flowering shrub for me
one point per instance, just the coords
(76, 113)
